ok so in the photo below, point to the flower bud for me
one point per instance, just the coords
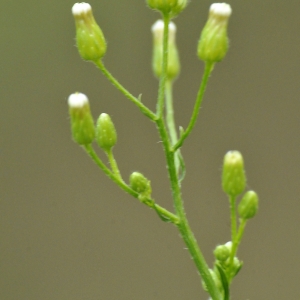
(233, 178)
(168, 7)
(222, 252)
(213, 43)
(89, 37)
(248, 205)
(106, 135)
(82, 124)
(229, 245)
(235, 267)
(140, 184)
(173, 66)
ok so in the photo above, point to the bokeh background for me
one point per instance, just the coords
(67, 232)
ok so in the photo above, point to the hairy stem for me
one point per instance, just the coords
(114, 165)
(163, 77)
(145, 110)
(208, 69)
(149, 202)
(170, 120)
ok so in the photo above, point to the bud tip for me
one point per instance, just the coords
(81, 8)
(77, 100)
(158, 26)
(220, 9)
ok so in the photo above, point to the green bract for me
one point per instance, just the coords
(213, 43)
(89, 37)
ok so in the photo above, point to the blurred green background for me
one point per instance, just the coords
(67, 232)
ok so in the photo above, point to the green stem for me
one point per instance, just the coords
(163, 77)
(208, 69)
(114, 165)
(170, 112)
(183, 225)
(149, 202)
(232, 201)
(145, 110)
(171, 121)
(237, 240)
(166, 214)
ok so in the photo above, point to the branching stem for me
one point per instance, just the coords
(149, 202)
(208, 69)
(145, 110)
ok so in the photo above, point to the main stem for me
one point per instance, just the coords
(183, 225)
(171, 121)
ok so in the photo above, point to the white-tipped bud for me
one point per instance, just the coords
(77, 100)
(173, 66)
(81, 8)
(213, 43)
(158, 31)
(82, 124)
(89, 37)
(222, 10)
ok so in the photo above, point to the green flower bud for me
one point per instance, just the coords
(222, 252)
(248, 205)
(140, 184)
(82, 124)
(106, 135)
(89, 37)
(229, 245)
(235, 268)
(170, 7)
(233, 179)
(213, 43)
(173, 66)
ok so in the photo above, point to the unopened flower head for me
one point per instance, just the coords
(140, 184)
(173, 66)
(82, 124)
(106, 135)
(221, 252)
(168, 7)
(89, 37)
(233, 177)
(213, 43)
(249, 205)
(228, 245)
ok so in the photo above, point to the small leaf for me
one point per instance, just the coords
(224, 281)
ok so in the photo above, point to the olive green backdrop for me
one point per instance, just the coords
(67, 232)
